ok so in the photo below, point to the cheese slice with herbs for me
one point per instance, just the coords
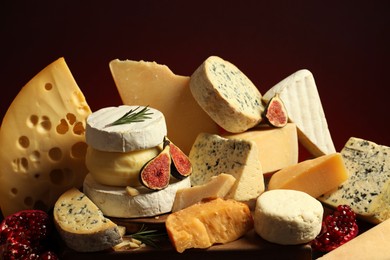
(42, 138)
(301, 98)
(155, 85)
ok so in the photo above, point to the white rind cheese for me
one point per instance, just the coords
(116, 202)
(300, 96)
(367, 188)
(124, 137)
(212, 155)
(227, 95)
(287, 217)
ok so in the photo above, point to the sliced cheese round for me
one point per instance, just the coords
(287, 217)
(118, 169)
(117, 202)
(141, 133)
(227, 95)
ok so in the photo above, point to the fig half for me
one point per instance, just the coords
(275, 112)
(181, 166)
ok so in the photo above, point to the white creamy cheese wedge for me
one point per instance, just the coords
(42, 152)
(148, 83)
(117, 202)
(145, 133)
(212, 155)
(367, 188)
(300, 95)
(227, 95)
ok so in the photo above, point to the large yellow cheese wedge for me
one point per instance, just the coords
(278, 147)
(148, 83)
(42, 152)
(315, 177)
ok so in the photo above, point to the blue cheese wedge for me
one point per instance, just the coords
(300, 95)
(137, 135)
(367, 188)
(212, 155)
(227, 95)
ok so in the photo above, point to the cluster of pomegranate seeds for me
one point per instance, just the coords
(337, 228)
(24, 234)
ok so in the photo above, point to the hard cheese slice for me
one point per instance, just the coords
(148, 83)
(367, 188)
(42, 141)
(278, 147)
(300, 96)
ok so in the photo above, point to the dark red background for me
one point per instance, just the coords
(344, 43)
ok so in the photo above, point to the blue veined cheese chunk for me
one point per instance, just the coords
(212, 155)
(227, 95)
(367, 188)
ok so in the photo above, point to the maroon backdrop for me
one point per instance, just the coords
(344, 43)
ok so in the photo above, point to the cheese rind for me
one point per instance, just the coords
(207, 223)
(287, 217)
(129, 137)
(227, 95)
(278, 147)
(300, 96)
(217, 187)
(82, 225)
(315, 176)
(116, 202)
(367, 187)
(42, 152)
(148, 83)
(212, 155)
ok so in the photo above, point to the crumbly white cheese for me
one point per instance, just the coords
(300, 95)
(227, 95)
(287, 217)
(116, 202)
(101, 135)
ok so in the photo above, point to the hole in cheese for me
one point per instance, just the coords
(35, 156)
(28, 201)
(14, 191)
(37, 175)
(58, 176)
(63, 127)
(78, 150)
(71, 118)
(33, 121)
(48, 86)
(78, 128)
(45, 124)
(24, 142)
(23, 164)
(55, 154)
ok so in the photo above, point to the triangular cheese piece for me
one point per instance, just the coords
(42, 152)
(300, 95)
(150, 84)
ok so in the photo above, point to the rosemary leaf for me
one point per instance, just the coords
(149, 237)
(132, 116)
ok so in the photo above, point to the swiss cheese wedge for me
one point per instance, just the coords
(151, 84)
(42, 152)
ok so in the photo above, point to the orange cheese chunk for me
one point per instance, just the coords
(278, 147)
(315, 177)
(204, 224)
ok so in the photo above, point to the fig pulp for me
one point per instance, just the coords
(156, 173)
(181, 166)
(275, 112)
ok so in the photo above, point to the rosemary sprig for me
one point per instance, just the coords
(149, 237)
(132, 116)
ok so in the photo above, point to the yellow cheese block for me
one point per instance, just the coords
(42, 152)
(278, 147)
(372, 244)
(148, 83)
(315, 177)
(207, 223)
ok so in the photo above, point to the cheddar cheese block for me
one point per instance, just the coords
(155, 85)
(300, 96)
(217, 187)
(212, 155)
(227, 95)
(278, 147)
(42, 152)
(82, 225)
(205, 224)
(315, 176)
(367, 190)
(117, 202)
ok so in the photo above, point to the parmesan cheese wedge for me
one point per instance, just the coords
(300, 95)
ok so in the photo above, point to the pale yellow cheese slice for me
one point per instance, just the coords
(43, 147)
(278, 147)
(315, 177)
(300, 95)
(148, 83)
